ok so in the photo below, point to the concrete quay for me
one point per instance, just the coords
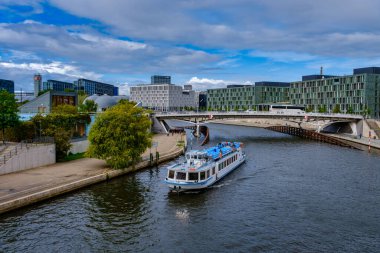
(31, 186)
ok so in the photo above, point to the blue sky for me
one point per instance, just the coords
(209, 43)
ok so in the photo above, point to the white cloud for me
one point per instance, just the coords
(109, 42)
(283, 56)
(304, 27)
(206, 83)
(92, 52)
(123, 89)
(51, 68)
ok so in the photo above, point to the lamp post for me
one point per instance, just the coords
(199, 104)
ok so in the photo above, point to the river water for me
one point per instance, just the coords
(292, 195)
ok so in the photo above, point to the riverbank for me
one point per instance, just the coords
(34, 185)
(364, 143)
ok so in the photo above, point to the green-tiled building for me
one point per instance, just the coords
(357, 93)
(243, 97)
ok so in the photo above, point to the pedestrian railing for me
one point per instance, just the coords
(14, 150)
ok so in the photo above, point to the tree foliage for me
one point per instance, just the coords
(43, 92)
(8, 111)
(65, 109)
(366, 111)
(350, 110)
(25, 130)
(336, 109)
(322, 109)
(88, 106)
(81, 97)
(309, 108)
(120, 135)
(61, 125)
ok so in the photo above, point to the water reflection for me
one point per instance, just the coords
(290, 195)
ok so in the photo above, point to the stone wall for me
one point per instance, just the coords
(79, 146)
(31, 157)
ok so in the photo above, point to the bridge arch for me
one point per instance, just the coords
(340, 127)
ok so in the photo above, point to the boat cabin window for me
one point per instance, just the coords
(181, 176)
(171, 174)
(193, 176)
(208, 174)
(203, 175)
(213, 171)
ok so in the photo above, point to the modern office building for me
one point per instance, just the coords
(57, 85)
(201, 100)
(92, 87)
(163, 97)
(7, 85)
(37, 79)
(116, 91)
(354, 93)
(160, 79)
(88, 86)
(45, 102)
(271, 92)
(243, 97)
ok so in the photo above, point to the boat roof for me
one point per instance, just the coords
(218, 151)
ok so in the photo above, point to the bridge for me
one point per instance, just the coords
(324, 122)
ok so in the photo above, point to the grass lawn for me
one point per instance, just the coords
(72, 157)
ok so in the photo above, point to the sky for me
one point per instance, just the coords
(206, 43)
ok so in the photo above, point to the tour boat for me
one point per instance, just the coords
(202, 168)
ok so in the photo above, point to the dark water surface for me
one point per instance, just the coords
(291, 195)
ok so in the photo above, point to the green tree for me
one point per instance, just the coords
(88, 106)
(8, 111)
(336, 109)
(366, 111)
(65, 109)
(81, 97)
(43, 92)
(322, 109)
(61, 125)
(309, 108)
(350, 110)
(23, 102)
(120, 135)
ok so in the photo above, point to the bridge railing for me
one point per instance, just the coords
(260, 113)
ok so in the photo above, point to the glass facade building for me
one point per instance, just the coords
(7, 85)
(92, 87)
(353, 93)
(243, 97)
(57, 85)
(160, 79)
(116, 91)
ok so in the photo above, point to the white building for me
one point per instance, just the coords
(163, 97)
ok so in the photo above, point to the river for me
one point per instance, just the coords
(291, 195)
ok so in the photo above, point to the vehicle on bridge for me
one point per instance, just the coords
(285, 109)
(203, 168)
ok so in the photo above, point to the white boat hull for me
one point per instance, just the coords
(180, 186)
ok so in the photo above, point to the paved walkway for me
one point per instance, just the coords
(19, 184)
(364, 140)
